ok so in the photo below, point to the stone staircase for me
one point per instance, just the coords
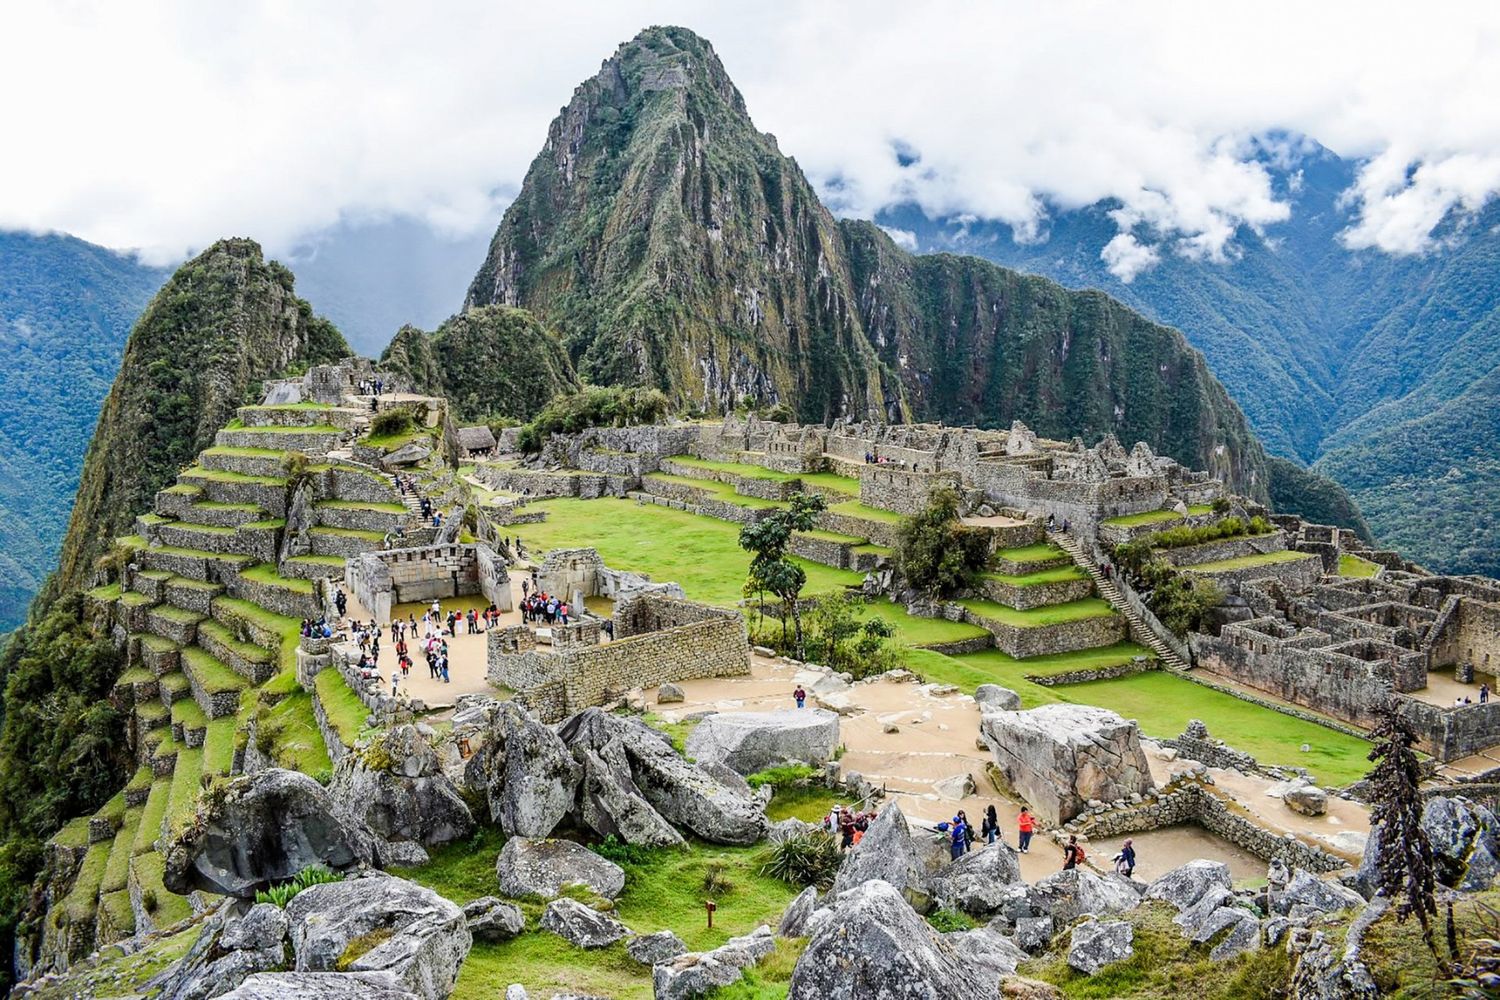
(1110, 591)
(412, 501)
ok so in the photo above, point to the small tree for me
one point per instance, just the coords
(841, 638)
(770, 568)
(935, 553)
(1405, 869)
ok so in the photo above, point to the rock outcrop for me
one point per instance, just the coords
(976, 882)
(654, 949)
(1061, 757)
(527, 773)
(396, 785)
(264, 828)
(1070, 894)
(753, 741)
(610, 803)
(545, 867)
(1465, 838)
(888, 852)
(873, 944)
(1097, 944)
(494, 920)
(580, 925)
(323, 985)
(696, 973)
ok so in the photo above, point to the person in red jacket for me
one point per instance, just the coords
(1026, 825)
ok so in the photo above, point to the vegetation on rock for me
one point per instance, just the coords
(935, 553)
(593, 406)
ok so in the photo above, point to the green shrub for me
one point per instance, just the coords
(282, 893)
(935, 552)
(593, 407)
(781, 776)
(390, 423)
(811, 858)
(946, 921)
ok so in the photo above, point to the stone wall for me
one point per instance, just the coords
(879, 532)
(1225, 548)
(1453, 731)
(901, 490)
(710, 642)
(1035, 595)
(821, 550)
(494, 577)
(1295, 574)
(1064, 637)
(385, 578)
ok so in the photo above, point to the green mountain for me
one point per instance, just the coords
(491, 363)
(224, 322)
(674, 246)
(1376, 370)
(66, 307)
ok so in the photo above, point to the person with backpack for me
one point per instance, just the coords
(1125, 860)
(1025, 826)
(958, 835)
(962, 819)
(991, 825)
(1073, 854)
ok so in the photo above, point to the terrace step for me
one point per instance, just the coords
(195, 564)
(173, 687)
(384, 518)
(255, 663)
(343, 542)
(312, 567)
(232, 487)
(216, 687)
(171, 501)
(222, 515)
(317, 439)
(170, 622)
(299, 415)
(262, 462)
(1111, 592)
(158, 654)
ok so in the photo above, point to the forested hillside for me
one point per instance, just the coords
(1378, 370)
(66, 307)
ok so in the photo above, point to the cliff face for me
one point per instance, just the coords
(224, 322)
(489, 362)
(673, 245)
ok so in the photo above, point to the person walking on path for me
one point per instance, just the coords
(800, 695)
(1073, 853)
(1484, 693)
(991, 825)
(1125, 860)
(1026, 826)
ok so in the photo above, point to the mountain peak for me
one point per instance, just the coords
(665, 58)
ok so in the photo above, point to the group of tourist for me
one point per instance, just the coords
(539, 606)
(1067, 525)
(1463, 699)
(372, 386)
(848, 825)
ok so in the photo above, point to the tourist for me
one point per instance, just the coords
(609, 628)
(525, 588)
(1458, 701)
(1025, 827)
(846, 829)
(962, 819)
(1484, 693)
(341, 602)
(801, 696)
(405, 662)
(991, 825)
(1073, 854)
(395, 680)
(1125, 860)
(958, 839)
(437, 609)
(562, 612)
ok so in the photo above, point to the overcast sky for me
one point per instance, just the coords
(163, 126)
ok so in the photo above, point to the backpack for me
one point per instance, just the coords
(1079, 854)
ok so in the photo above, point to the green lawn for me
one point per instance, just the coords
(1010, 668)
(735, 468)
(715, 489)
(383, 507)
(346, 713)
(1245, 562)
(296, 741)
(1052, 614)
(831, 481)
(853, 508)
(1032, 553)
(1355, 566)
(1057, 574)
(266, 573)
(1163, 704)
(833, 536)
(310, 429)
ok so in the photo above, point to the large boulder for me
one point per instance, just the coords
(1059, 757)
(1097, 944)
(1072, 893)
(1185, 885)
(323, 985)
(580, 925)
(263, 829)
(798, 912)
(529, 776)
(682, 793)
(396, 785)
(1314, 894)
(610, 804)
(230, 947)
(493, 920)
(753, 741)
(890, 853)
(379, 923)
(1309, 800)
(545, 867)
(697, 973)
(989, 952)
(873, 944)
(654, 949)
(994, 698)
(976, 882)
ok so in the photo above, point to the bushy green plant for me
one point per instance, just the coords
(283, 892)
(390, 423)
(781, 776)
(935, 552)
(594, 406)
(840, 637)
(770, 568)
(1134, 557)
(946, 921)
(1182, 601)
(811, 858)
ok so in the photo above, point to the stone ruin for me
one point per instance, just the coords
(381, 579)
(576, 574)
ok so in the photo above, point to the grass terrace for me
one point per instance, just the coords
(388, 508)
(1057, 574)
(1357, 567)
(1032, 553)
(305, 405)
(831, 481)
(217, 476)
(853, 508)
(295, 739)
(308, 429)
(1246, 562)
(715, 489)
(735, 468)
(290, 629)
(346, 713)
(266, 573)
(1156, 516)
(368, 536)
(1052, 614)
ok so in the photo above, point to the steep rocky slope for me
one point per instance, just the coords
(489, 362)
(226, 320)
(673, 245)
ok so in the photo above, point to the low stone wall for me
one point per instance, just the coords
(359, 518)
(532, 482)
(271, 496)
(1042, 640)
(879, 532)
(336, 749)
(281, 600)
(556, 683)
(1012, 567)
(1295, 574)
(1225, 548)
(343, 483)
(1197, 744)
(821, 550)
(1037, 595)
(1451, 732)
(1136, 666)
(1187, 801)
(1015, 536)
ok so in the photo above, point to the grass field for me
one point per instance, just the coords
(1051, 614)
(1032, 553)
(853, 508)
(734, 468)
(1357, 567)
(1057, 574)
(1245, 562)
(715, 489)
(831, 481)
(700, 553)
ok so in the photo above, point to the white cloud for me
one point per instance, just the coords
(903, 238)
(1126, 257)
(165, 125)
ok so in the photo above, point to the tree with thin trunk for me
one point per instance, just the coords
(1405, 869)
(770, 567)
